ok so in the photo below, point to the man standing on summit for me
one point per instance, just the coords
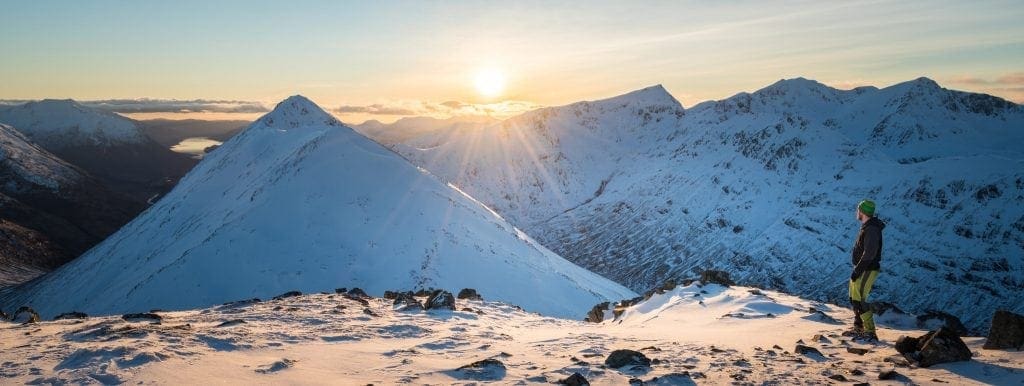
(867, 254)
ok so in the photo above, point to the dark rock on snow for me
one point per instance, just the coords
(484, 370)
(940, 346)
(71, 315)
(857, 350)
(886, 375)
(717, 277)
(1007, 331)
(470, 294)
(340, 290)
(233, 322)
(621, 358)
(807, 350)
(406, 302)
(596, 314)
(288, 294)
(358, 292)
(141, 316)
(440, 300)
(574, 380)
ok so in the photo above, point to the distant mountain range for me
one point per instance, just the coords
(764, 185)
(106, 145)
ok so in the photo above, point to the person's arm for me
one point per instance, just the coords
(872, 240)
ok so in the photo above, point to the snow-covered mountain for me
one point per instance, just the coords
(764, 185)
(108, 146)
(690, 335)
(421, 131)
(299, 202)
(50, 211)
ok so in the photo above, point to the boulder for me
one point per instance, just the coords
(288, 294)
(425, 292)
(939, 346)
(406, 302)
(358, 292)
(71, 315)
(933, 320)
(142, 316)
(621, 358)
(340, 290)
(574, 380)
(4, 316)
(596, 314)
(717, 277)
(807, 350)
(1006, 331)
(440, 300)
(469, 294)
(484, 370)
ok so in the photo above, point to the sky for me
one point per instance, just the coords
(387, 59)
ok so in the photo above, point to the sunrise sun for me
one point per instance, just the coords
(490, 82)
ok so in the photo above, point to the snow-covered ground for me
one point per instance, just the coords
(693, 334)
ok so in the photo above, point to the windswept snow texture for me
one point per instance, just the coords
(299, 202)
(330, 339)
(764, 185)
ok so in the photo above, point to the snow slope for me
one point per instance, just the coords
(299, 202)
(763, 185)
(331, 339)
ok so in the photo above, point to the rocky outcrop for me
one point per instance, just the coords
(1006, 332)
(716, 277)
(440, 300)
(71, 315)
(596, 314)
(136, 317)
(404, 301)
(574, 380)
(939, 346)
(469, 294)
(621, 358)
(288, 294)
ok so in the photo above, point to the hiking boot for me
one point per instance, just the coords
(854, 331)
(866, 337)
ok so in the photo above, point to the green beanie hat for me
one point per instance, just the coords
(867, 207)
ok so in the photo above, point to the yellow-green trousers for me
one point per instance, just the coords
(860, 288)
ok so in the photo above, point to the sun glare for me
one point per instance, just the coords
(490, 82)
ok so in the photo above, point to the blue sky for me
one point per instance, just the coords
(415, 55)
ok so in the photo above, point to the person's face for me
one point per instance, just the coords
(858, 215)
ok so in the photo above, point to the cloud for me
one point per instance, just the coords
(146, 105)
(1015, 78)
(442, 109)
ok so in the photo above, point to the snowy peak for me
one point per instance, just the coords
(649, 96)
(297, 111)
(62, 123)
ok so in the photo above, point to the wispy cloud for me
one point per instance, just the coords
(1009, 86)
(439, 109)
(148, 105)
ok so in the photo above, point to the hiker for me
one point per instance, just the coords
(867, 253)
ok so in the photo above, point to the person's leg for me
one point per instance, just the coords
(865, 282)
(855, 302)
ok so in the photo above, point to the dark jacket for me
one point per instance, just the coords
(867, 251)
